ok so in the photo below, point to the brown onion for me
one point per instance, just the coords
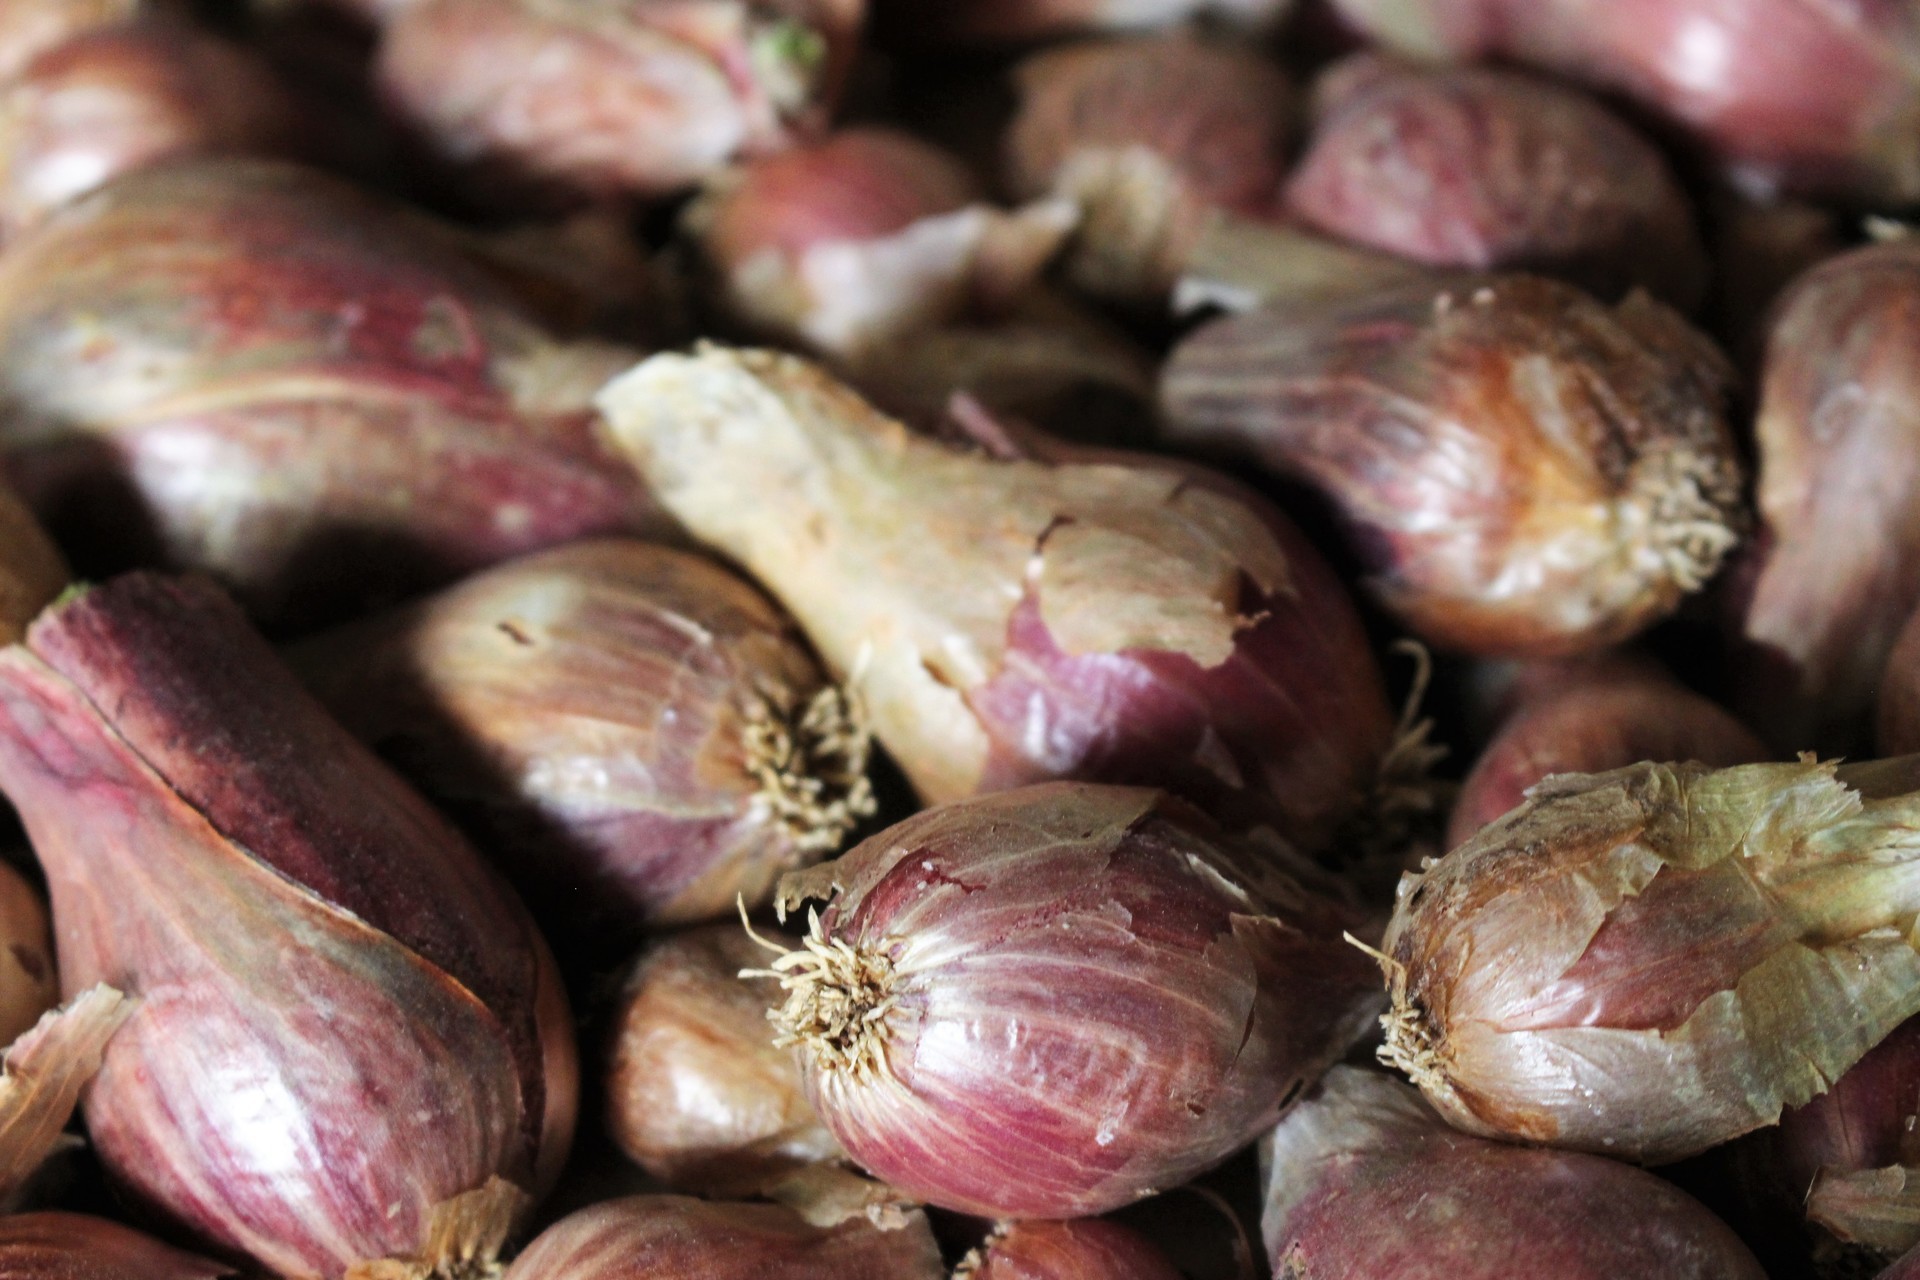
(1147, 136)
(123, 98)
(1366, 1183)
(605, 99)
(252, 369)
(1835, 570)
(637, 736)
(1054, 1001)
(1013, 21)
(1588, 718)
(68, 1246)
(1009, 619)
(672, 1238)
(1522, 469)
(1649, 962)
(1484, 168)
(349, 1046)
(28, 28)
(865, 238)
(1079, 1249)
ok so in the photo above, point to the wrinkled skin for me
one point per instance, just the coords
(1649, 962)
(1081, 1249)
(1487, 169)
(1835, 571)
(1366, 1183)
(671, 1238)
(1097, 995)
(254, 370)
(69, 1246)
(1816, 97)
(1522, 470)
(344, 1021)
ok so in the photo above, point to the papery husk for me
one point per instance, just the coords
(1057, 1000)
(1079, 1249)
(1807, 98)
(636, 736)
(1236, 263)
(117, 99)
(1589, 718)
(1480, 168)
(1523, 470)
(45, 1071)
(1363, 1151)
(669, 1237)
(996, 22)
(238, 863)
(70, 1246)
(255, 370)
(28, 28)
(963, 595)
(1147, 136)
(538, 100)
(1835, 570)
(865, 239)
(1649, 962)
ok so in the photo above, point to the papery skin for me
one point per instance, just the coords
(1147, 135)
(674, 1238)
(1097, 995)
(697, 1094)
(71, 1246)
(28, 28)
(251, 369)
(869, 236)
(1481, 168)
(1596, 717)
(343, 1020)
(1014, 21)
(1652, 961)
(1364, 1182)
(1008, 621)
(1080, 1249)
(610, 98)
(1835, 570)
(123, 98)
(1813, 97)
(1522, 470)
(586, 713)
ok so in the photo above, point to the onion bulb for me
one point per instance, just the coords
(1008, 619)
(1079, 1249)
(1054, 1001)
(70, 1246)
(1649, 962)
(348, 1045)
(1364, 1182)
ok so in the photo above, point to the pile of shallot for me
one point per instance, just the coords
(977, 640)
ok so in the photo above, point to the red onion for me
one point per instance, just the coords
(1007, 620)
(1081, 1249)
(68, 1246)
(122, 98)
(1366, 1183)
(249, 368)
(1596, 717)
(671, 1238)
(1835, 571)
(634, 734)
(1813, 96)
(868, 237)
(1650, 962)
(1482, 168)
(607, 99)
(1054, 1001)
(1012, 21)
(1522, 470)
(349, 1044)
(1147, 136)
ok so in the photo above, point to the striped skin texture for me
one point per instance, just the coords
(71, 1246)
(1092, 1001)
(1083, 1249)
(344, 1020)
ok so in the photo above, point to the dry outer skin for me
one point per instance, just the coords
(1364, 1182)
(1079, 1249)
(69, 1246)
(1522, 470)
(1649, 962)
(671, 1238)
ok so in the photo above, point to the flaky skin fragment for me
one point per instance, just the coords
(1652, 961)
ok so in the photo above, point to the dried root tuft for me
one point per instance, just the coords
(810, 759)
(838, 999)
